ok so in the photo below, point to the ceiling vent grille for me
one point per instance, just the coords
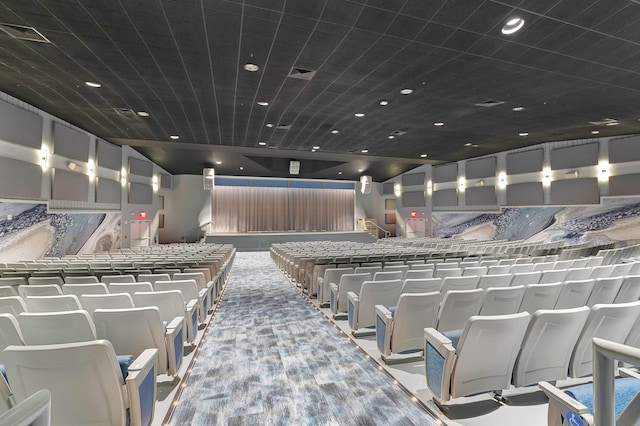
(21, 32)
(397, 133)
(605, 122)
(125, 112)
(283, 126)
(301, 73)
(490, 103)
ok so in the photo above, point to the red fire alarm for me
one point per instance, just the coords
(413, 214)
(142, 215)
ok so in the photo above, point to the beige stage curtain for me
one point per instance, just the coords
(256, 209)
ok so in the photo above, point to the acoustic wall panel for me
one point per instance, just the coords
(109, 156)
(140, 167)
(624, 149)
(445, 198)
(140, 193)
(70, 143)
(108, 191)
(387, 188)
(525, 194)
(413, 199)
(413, 179)
(525, 162)
(481, 196)
(575, 191)
(445, 173)
(481, 168)
(625, 184)
(574, 156)
(166, 181)
(28, 175)
(70, 186)
(20, 126)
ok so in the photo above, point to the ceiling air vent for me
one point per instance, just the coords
(301, 73)
(125, 112)
(490, 103)
(21, 32)
(283, 126)
(605, 122)
(397, 133)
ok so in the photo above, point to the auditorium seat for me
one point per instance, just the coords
(459, 283)
(502, 300)
(130, 288)
(476, 359)
(331, 275)
(601, 271)
(152, 278)
(521, 268)
(205, 288)
(189, 290)
(630, 289)
(553, 276)
(338, 295)
(80, 289)
(525, 278)
(501, 280)
(132, 331)
(457, 307)
(575, 294)
(48, 328)
(39, 290)
(13, 305)
(474, 271)
(171, 305)
(402, 331)
(425, 285)
(91, 302)
(85, 382)
(621, 269)
(498, 269)
(577, 274)
(367, 269)
(540, 296)
(10, 333)
(13, 281)
(110, 279)
(448, 272)
(56, 303)
(57, 280)
(8, 290)
(547, 345)
(361, 306)
(87, 279)
(35, 410)
(417, 274)
(605, 290)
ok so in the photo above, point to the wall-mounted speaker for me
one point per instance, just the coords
(208, 178)
(365, 184)
(294, 167)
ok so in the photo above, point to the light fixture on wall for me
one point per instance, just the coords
(365, 184)
(155, 183)
(91, 169)
(462, 183)
(546, 176)
(480, 182)
(72, 166)
(397, 189)
(603, 171)
(44, 158)
(429, 187)
(502, 180)
(123, 177)
(294, 167)
(571, 174)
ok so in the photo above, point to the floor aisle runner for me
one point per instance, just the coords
(271, 359)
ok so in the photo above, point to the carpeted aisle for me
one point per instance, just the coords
(271, 359)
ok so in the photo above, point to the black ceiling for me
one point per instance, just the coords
(574, 62)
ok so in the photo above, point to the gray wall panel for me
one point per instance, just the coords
(525, 162)
(140, 193)
(525, 194)
(28, 175)
(413, 179)
(166, 181)
(387, 188)
(413, 199)
(109, 156)
(445, 173)
(70, 186)
(140, 167)
(574, 156)
(481, 196)
(625, 184)
(20, 126)
(624, 149)
(445, 198)
(108, 191)
(575, 191)
(481, 168)
(70, 143)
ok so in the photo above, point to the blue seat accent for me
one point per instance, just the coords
(381, 333)
(454, 336)
(125, 362)
(435, 362)
(194, 321)
(625, 390)
(351, 314)
(177, 344)
(392, 309)
(332, 300)
(3, 372)
(147, 396)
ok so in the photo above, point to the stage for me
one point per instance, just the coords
(261, 241)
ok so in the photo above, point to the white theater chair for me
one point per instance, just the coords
(133, 330)
(110, 279)
(457, 307)
(338, 295)
(45, 281)
(57, 303)
(554, 276)
(525, 278)
(501, 280)
(630, 290)
(575, 294)
(33, 411)
(85, 382)
(56, 327)
(205, 288)
(402, 331)
(424, 285)
(474, 360)
(39, 290)
(415, 274)
(540, 296)
(361, 307)
(577, 274)
(189, 290)
(8, 291)
(80, 289)
(10, 333)
(502, 300)
(12, 305)
(605, 290)
(331, 275)
(87, 279)
(130, 288)
(171, 305)
(459, 283)
(91, 302)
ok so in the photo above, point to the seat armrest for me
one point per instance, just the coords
(560, 404)
(353, 304)
(175, 342)
(191, 320)
(333, 298)
(384, 328)
(35, 410)
(141, 388)
(439, 357)
(627, 372)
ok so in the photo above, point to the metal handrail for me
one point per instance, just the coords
(387, 234)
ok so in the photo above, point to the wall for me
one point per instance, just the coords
(186, 208)
(369, 206)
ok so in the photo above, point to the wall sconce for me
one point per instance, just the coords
(91, 172)
(154, 183)
(546, 176)
(480, 182)
(502, 180)
(429, 188)
(397, 189)
(71, 165)
(603, 171)
(44, 159)
(365, 184)
(462, 184)
(123, 177)
(571, 174)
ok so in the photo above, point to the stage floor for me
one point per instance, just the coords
(261, 241)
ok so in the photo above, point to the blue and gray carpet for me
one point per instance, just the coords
(271, 359)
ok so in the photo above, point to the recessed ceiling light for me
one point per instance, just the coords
(513, 25)
(364, 151)
(523, 134)
(93, 84)
(269, 125)
(218, 162)
(384, 103)
(241, 168)
(251, 67)
(335, 131)
(517, 109)
(143, 113)
(359, 114)
(313, 150)
(261, 143)
(339, 173)
(316, 147)
(438, 123)
(423, 155)
(467, 144)
(360, 170)
(612, 123)
(595, 132)
(174, 137)
(406, 91)
(391, 136)
(263, 103)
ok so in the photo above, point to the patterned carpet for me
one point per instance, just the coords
(271, 359)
